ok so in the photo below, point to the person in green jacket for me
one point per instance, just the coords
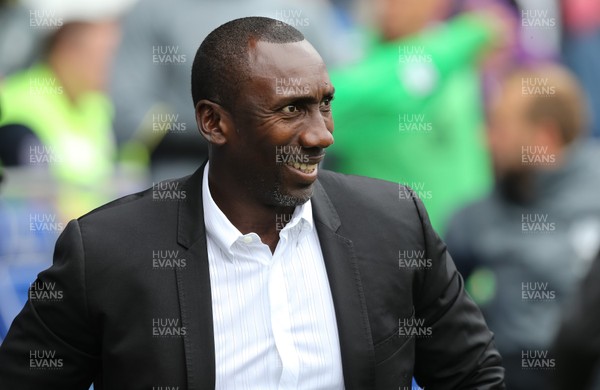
(411, 110)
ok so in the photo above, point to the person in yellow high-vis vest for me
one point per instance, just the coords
(61, 100)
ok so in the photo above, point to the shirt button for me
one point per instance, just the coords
(248, 239)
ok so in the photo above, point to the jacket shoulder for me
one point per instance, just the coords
(160, 197)
(342, 182)
(360, 189)
(372, 202)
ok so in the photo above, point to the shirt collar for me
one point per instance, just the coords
(225, 234)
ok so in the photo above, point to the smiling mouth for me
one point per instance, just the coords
(304, 168)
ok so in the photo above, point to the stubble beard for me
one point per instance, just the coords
(282, 199)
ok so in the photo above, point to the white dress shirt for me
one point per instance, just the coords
(273, 315)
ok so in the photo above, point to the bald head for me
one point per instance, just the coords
(222, 60)
(550, 94)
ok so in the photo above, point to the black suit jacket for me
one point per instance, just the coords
(102, 326)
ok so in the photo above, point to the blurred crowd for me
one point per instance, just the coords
(487, 109)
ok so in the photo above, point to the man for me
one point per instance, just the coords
(73, 114)
(527, 245)
(251, 273)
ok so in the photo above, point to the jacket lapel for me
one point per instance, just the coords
(358, 356)
(193, 283)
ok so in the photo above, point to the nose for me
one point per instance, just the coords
(318, 131)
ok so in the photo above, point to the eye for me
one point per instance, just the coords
(290, 109)
(325, 104)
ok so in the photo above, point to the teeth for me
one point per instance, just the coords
(306, 168)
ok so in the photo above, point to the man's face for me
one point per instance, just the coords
(89, 49)
(283, 123)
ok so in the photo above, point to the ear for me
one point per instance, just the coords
(214, 122)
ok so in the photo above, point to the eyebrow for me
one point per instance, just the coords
(307, 99)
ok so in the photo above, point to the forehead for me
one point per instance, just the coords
(512, 96)
(280, 60)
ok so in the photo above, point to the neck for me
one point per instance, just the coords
(243, 210)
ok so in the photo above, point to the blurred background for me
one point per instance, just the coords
(487, 109)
